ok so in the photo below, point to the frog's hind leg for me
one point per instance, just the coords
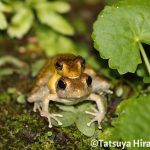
(100, 86)
(37, 106)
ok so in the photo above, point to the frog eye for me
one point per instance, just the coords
(61, 85)
(83, 63)
(89, 81)
(59, 66)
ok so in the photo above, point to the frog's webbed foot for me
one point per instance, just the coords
(51, 116)
(98, 117)
(37, 106)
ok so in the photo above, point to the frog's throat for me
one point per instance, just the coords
(72, 101)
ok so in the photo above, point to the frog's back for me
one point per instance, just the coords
(49, 68)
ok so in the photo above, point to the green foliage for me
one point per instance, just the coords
(118, 34)
(67, 119)
(3, 24)
(48, 15)
(132, 122)
(133, 116)
(82, 125)
(77, 115)
(21, 23)
(131, 2)
(48, 39)
(35, 67)
(146, 79)
(3, 9)
(26, 15)
(16, 95)
(18, 66)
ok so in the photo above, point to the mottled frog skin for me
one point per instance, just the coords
(72, 83)
(66, 65)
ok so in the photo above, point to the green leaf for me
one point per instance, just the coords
(21, 23)
(58, 6)
(67, 119)
(11, 60)
(84, 107)
(132, 2)
(21, 99)
(141, 71)
(81, 123)
(53, 43)
(133, 121)
(146, 79)
(109, 134)
(35, 67)
(66, 108)
(15, 5)
(33, 3)
(117, 34)
(3, 21)
(55, 21)
(6, 71)
(5, 8)
(110, 2)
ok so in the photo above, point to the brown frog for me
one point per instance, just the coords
(84, 84)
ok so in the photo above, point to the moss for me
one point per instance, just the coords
(20, 128)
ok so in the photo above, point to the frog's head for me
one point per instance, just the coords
(70, 65)
(76, 88)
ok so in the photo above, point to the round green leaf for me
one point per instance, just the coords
(117, 34)
(67, 119)
(133, 122)
(81, 123)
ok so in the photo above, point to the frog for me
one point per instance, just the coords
(66, 65)
(87, 85)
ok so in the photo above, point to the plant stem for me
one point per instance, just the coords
(145, 57)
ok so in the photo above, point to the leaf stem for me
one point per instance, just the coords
(145, 57)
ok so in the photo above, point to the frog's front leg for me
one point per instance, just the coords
(45, 106)
(100, 113)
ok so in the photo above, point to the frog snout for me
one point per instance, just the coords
(62, 85)
(74, 88)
